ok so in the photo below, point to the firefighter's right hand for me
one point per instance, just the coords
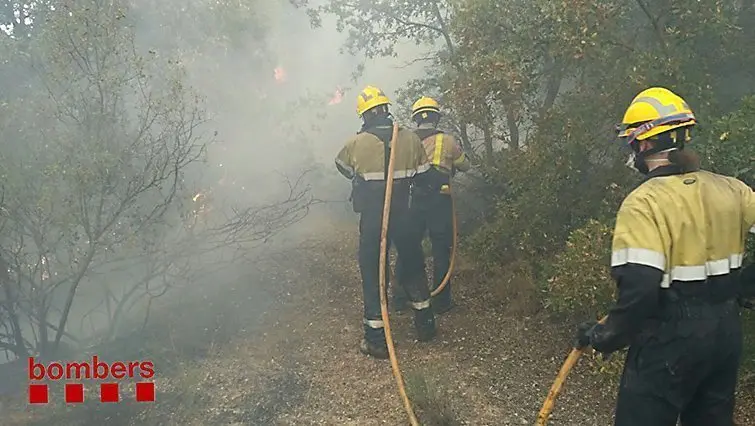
(584, 334)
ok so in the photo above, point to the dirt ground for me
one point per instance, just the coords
(491, 364)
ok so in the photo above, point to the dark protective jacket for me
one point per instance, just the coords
(674, 229)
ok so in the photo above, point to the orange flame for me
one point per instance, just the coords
(280, 74)
(337, 97)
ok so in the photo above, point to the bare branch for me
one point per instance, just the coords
(654, 21)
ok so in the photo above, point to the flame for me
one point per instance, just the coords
(200, 211)
(337, 97)
(280, 74)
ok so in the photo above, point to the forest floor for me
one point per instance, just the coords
(282, 349)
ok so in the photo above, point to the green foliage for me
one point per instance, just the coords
(95, 158)
(202, 28)
(726, 147)
(549, 190)
(580, 281)
(588, 57)
(541, 84)
(748, 354)
(376, 27)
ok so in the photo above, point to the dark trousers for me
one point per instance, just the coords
(685, 369)
(402, 233)
(433, 214)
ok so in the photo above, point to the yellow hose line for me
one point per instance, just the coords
(550, 400)
(452, 263)
(383, 296)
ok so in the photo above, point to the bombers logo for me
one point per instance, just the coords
(72, 373)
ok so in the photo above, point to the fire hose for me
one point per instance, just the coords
(571, 360)
(550, 400)
(383, 295)
(452, 262)
(453, 249)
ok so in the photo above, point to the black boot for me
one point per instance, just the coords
(373, 343)
(373, 349)
(424, 323)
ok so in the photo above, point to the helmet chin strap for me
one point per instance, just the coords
(638, 163)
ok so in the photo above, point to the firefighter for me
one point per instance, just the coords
(364, 160)
(431, 198)
(678, 246)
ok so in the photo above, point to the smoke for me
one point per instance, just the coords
(285, 102)
(281, 101)
(279, 96)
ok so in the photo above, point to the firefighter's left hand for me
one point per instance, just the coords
(746, 303)
(584, 334)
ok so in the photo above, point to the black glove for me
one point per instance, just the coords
(745, 303)
(584, 334)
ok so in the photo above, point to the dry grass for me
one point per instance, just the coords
(294, 360)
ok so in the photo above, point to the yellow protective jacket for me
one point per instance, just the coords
(364, 155)
(443, 152)
(364, 160)
(676, 230)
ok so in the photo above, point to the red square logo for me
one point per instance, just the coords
(109, 392)
(74, 393)
(145, 392)
(38, 394)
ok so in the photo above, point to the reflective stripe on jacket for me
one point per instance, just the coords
(677, 233)
(445, 153)
(689, 226)
(364, 155)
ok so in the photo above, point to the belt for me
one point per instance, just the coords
(707, 292)
(698, 300)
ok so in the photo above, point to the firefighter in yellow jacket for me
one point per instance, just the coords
(677, 255)
(431, 198)
(364, 160)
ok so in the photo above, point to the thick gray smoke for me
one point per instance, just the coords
(280, 102)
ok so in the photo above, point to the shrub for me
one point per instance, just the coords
(580, 283)
(569, 173)
(726, 145)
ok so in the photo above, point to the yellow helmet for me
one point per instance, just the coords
(654, 111)
(370, 97)
(424, 104)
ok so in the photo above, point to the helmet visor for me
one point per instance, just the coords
(632, 135)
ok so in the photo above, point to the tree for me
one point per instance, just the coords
(210, 237)
(374, 29)
(95, 172)
(606, 53)
(101, 154)
(19, 20)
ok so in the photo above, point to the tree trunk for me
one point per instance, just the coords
(84, 265)
(19, 345)
(488, 141)
(511, 119)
